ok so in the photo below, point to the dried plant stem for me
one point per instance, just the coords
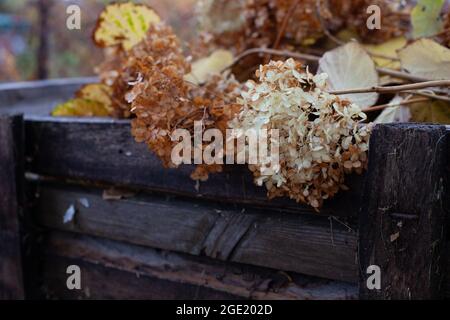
(401, 75)
(387, 105)
(283, 28)
(372, 54)
(314, 58)
(323, 26)
(282, 53)
(430, 95)
(394, 89)
(285, 22)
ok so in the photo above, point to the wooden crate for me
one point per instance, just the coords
(171, 238)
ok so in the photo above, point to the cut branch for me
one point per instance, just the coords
(430, 95)
(388, 105)
(394, 89)
(281, 53)
(315, 58)
(284, 25)
(323, 25)
(401, 75)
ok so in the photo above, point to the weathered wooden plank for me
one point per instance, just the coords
(26, 96)
(104, 150)
(312, 245)
(173, 275)
(403, 219)
(11, 174)
(447, 276)
(106, 283)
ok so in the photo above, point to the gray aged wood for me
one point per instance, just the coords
(11, 174)
(401, 228)
(113, 269)
(104, 150)
(38, 97)
(311, 245)
(100, 282)
(403, 220)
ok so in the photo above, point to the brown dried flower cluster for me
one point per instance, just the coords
(163, 101)
(353, 15)
(445, 35)
(236, 25)
(244, 24)
(114, 73)
(321, 137)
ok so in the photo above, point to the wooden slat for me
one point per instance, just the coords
(104, 150)
(403, 220)
(311, 245)
(447, 272)
(106, 283)
(19, 93)
(11, 175)
(113, 270)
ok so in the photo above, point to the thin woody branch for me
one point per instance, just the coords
(388, 105)
(395, 89)
(315, 58)
(274, 52)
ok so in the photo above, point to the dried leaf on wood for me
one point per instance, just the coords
(80, 107)
(69, 214)
(96, 92)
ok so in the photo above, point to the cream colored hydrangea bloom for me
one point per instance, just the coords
(321, 136)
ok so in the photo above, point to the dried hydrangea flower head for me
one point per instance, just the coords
(445, 35)
(114, 73)
(163, 101)
(217, 99)
(321, 136)
(159, 97)
(237, 25)
(245, 24)
(353, 15)
(242, 24)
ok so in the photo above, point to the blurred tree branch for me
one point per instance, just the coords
(44, 7)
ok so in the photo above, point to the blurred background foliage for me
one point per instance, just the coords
(35, 42)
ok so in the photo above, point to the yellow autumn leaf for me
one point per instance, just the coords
(124, 24)
(387, 49)
(426, 58)
(347, 35)
(97, 92)
(426, 18)
(431, 112)
(204, 67)
(79, 107)
(344, 35)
